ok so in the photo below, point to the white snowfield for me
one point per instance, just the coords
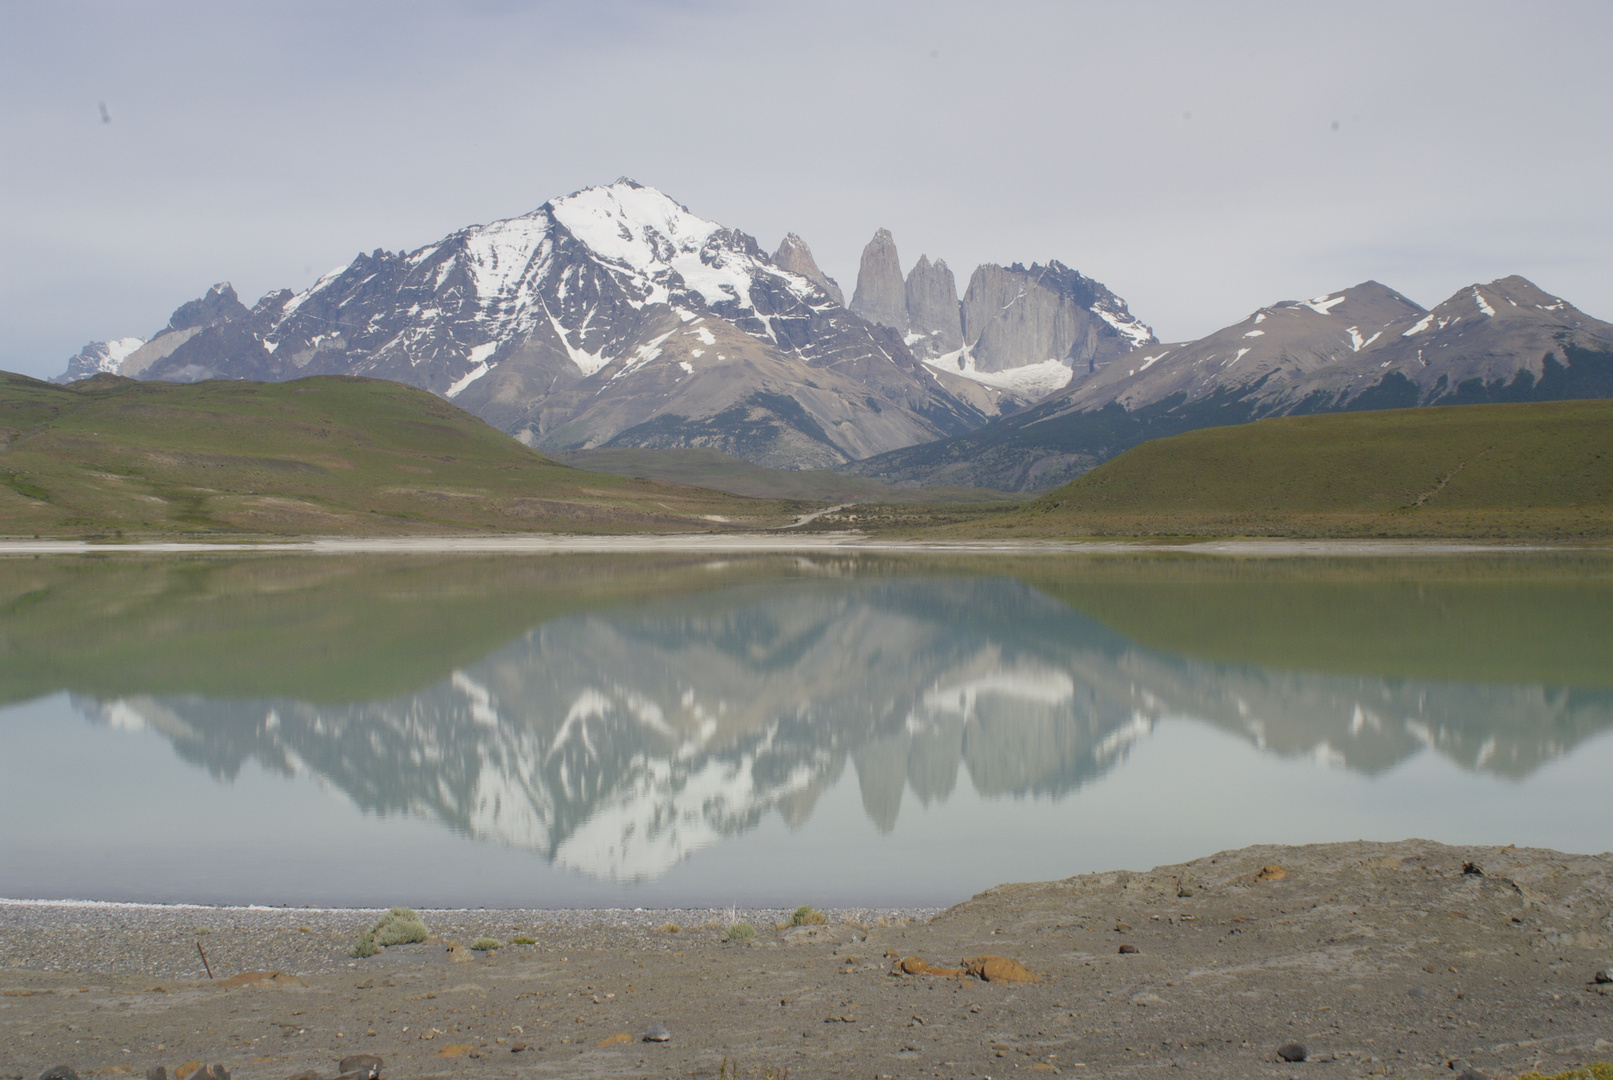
(1028, 380)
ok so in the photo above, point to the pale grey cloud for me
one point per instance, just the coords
(1201, 159)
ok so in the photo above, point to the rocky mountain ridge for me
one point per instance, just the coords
(616, 317)
(1021, 332)
(613, 315)
(1366, 347)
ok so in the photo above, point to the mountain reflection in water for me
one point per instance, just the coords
(617, 742)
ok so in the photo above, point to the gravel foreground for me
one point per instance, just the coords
(1408, 959)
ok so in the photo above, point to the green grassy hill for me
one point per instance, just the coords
(325, 455)
(1542, 470)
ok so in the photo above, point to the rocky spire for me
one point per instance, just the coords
(932, 308)
(794, 255)
(881, 296)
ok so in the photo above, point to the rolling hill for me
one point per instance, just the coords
(1541, 470)
(323, 455)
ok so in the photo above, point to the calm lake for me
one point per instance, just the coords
(560, 731)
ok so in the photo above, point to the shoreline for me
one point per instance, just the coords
(1409, 959)
(734, 543)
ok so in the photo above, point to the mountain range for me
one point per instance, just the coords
(1367, 347)
(615, 317)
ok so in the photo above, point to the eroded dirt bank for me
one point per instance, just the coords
(1407, 959)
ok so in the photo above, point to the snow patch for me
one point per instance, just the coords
(466, 379)
(1148, 361)
(1255, 333)
(1128, 326)
(1029, 380)
(1324, 304)
(1484, 306)
(1422, 324)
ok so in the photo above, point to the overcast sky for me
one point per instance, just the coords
(1201, 159)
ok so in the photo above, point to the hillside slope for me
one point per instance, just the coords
(1537, 470)
(322, 455)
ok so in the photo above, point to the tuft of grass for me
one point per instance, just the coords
(485, 944)
(399, 926)
(523, 940)
(807, 915)
(741, 931)
(671, 928)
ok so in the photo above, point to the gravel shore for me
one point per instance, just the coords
(1409, 959)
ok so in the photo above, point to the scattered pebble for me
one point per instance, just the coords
(657, 1033)
(59, 1072)
(1292, 1051)
(1128, 949)
(1604, 976)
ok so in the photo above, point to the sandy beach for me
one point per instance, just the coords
(1408, 959)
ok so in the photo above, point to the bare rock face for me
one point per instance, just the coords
(881, 295)
(794, 255)
(1013, 316)
(934, 319)
(219, 305)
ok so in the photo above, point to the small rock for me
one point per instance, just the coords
(1124, 949)
(59, 1072)
(1292, 1051)
(1470, 1073)
(360, 1066)
(1271, 873)
(1603, 976)
(657, 1033)
(1472, 869)
(157, 1072)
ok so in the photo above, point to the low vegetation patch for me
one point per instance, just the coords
(399, 926)
(523, 941)
(484, 944)
(741, 931)
(807, 915)
(1597, 1070)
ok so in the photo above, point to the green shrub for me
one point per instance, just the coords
(399, 926)
(807, 915)
(523, 941)
(484, 944)
(741, 931)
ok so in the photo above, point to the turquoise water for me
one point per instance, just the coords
(629, 732)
